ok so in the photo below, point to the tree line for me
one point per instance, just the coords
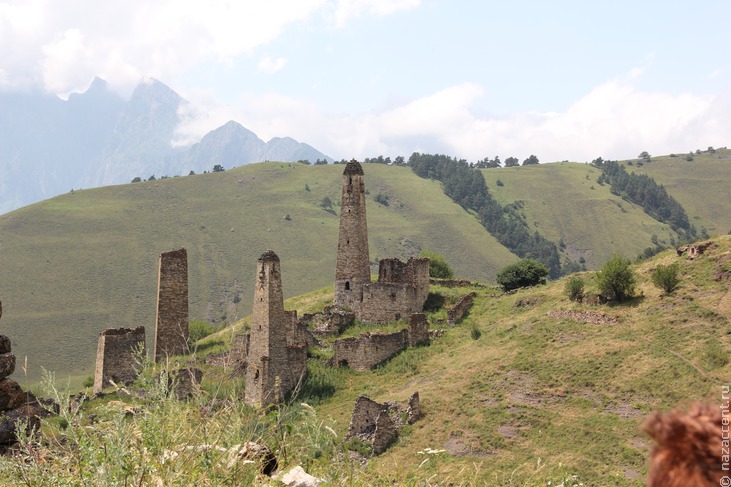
(642, 190)
(465, 185)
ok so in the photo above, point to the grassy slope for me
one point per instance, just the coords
(564, 201)
(538, 397)
(701, 186)
(85, 261)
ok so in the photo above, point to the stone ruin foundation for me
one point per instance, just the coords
(693, 251)
(364, 352)
(378, 424)
(171, 324)
(116, 359)
(460, 308)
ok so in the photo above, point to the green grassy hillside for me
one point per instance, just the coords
(548, 392)
(700, 185)
(85, 261)
(563, 202)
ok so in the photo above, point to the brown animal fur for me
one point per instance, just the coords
(688, 449)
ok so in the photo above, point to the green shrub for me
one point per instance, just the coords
(438, 266)
(475, 333)
(524, 273)
(666, 277)
(575, 288)
(616, 280)
(198, 330)
(382, 199)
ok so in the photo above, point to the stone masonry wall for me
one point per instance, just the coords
(418, 330)
(461, 307)
(115, 356)
(171, 325)
(368, 350)
(384, 302)
(414, 272)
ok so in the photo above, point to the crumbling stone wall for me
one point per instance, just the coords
(274, 368)
(171, 324)
(418, 330)
(414, 272)
(331, 321)
(401, 290)
(378, 424)
(384, 302)
(460, 308)
(115, 356)
(368, 350)
(693, 251)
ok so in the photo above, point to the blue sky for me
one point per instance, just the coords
(356, 78)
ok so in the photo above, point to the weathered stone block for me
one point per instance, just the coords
(25, 416)
(11, 395)
(5, 344)
(7, 364)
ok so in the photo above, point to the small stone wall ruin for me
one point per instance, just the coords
(171, 324)
(368, 350)
(693, 251)
(115, 356)
(378, 424)
(331, 321)
(460, 308)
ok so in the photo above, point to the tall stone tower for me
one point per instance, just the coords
(352, 270)
(268, 376)
(171, 324)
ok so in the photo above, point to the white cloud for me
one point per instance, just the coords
(270, 65)
(61, 46)
(615, 120)
(345, 10)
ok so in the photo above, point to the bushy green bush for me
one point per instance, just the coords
(666, 277)
(438, 266)
(616, 280)
(524, 273)
(575, 288)
(198, 330)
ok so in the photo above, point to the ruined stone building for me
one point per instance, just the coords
(115, 356)
(276, 359)
(401, 289)
(364, 352)
(171, 324)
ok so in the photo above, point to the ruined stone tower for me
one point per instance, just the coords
(171, 324)
(352, 270)
(269, 376)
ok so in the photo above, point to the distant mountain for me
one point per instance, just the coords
(49, 146)
(233, 144)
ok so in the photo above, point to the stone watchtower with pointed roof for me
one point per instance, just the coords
(273, 368)
(352, 270)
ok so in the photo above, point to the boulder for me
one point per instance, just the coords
(11, 395)
(7, 364)
(25, 416)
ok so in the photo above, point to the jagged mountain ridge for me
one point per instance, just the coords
(49, 146)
